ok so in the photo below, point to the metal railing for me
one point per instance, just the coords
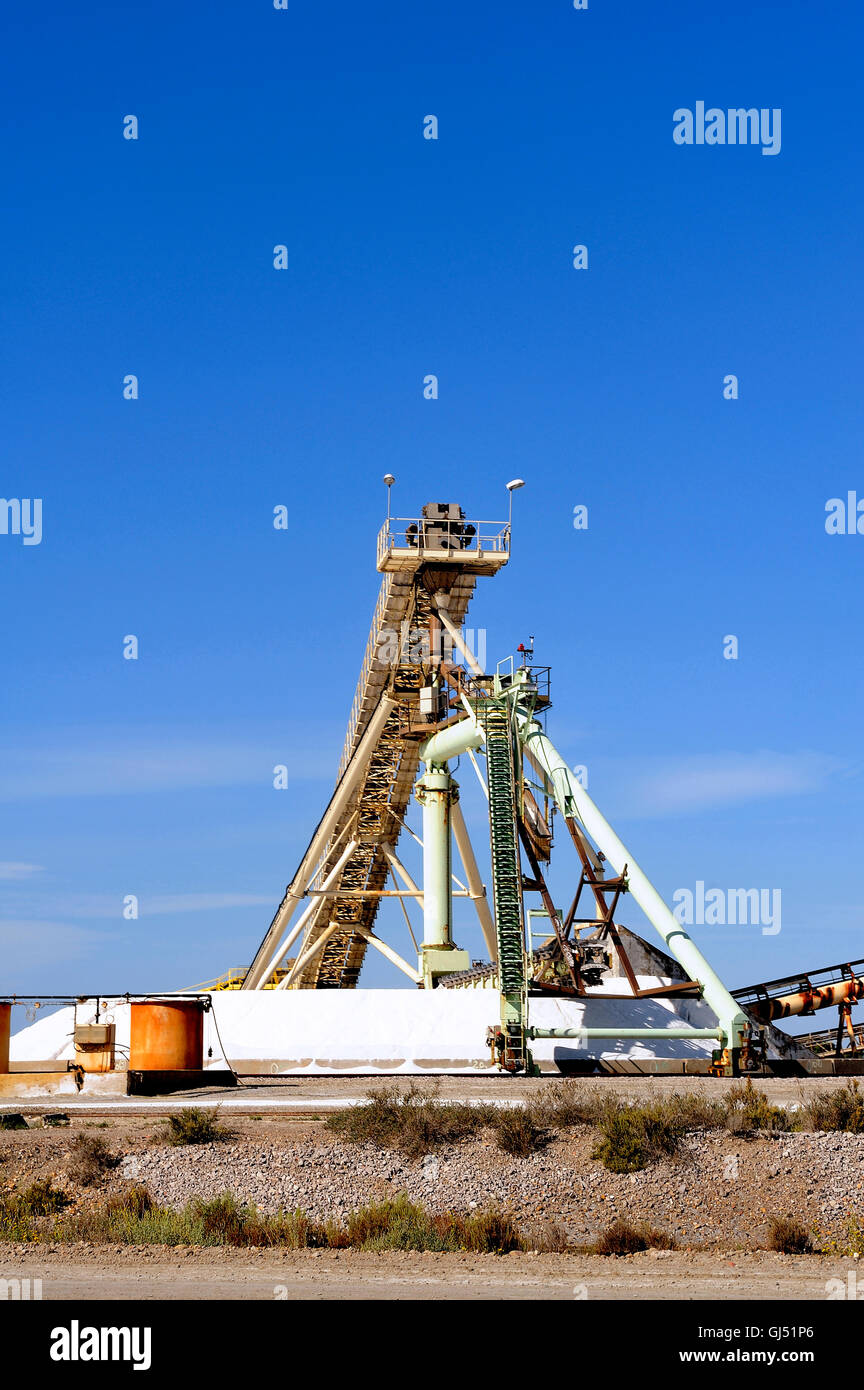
(463, 537)
(366, 667)
(807, 981)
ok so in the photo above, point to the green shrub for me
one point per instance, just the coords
(224, 1222)
(42, 1198)
(749, 1108)
(21, 1210)
(840, 1109)
(16, 1221)
(853, 1244)
(10, 1121)
(633, 1136)
(393, 1225)
(193, 1126)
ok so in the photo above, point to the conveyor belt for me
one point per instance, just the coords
(506, 874)
(437, 553)
(382, 799)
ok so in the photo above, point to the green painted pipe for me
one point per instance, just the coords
(626, 1033)
(573, 800)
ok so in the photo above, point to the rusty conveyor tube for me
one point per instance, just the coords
(806, 1001)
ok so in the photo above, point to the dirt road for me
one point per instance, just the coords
(308, 1095)
(217, 1274)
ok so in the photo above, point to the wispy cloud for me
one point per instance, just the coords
(24, 940)
(14, 873)
(74, 763)
(109, 907)
(202, 902)
(668, 787)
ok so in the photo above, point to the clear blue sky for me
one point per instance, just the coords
(259, 387)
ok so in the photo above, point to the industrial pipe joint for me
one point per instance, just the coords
(450, 742)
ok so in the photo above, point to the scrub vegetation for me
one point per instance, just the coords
(630, 1137)
(842, 1109)
(625, 1238)
(789, 1236)
(193, 1126)
(37, 1214)
(413, 1121)
(90, 1159)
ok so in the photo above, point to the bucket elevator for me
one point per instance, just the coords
(423, 699)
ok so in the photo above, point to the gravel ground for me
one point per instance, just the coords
(720, 1189)
(718, 1193)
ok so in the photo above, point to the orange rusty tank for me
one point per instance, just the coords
(94, 1046)
(5, 1016)
(167, 1037)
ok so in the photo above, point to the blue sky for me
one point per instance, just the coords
(302, 387)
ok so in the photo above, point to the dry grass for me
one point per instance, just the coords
(133, 1218)
(89, 1159)
(625, 1238)
(548, 1238)
(630, 1136)
(748, 1108)
(842, 1109)
(516, 1131)
(194, 1126)
(404, 1225)
(789, 1236)
(565, 1105)
(413, 1121)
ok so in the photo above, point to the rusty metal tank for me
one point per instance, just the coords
(167, 1036)
(94, 1046)
(5, 1025)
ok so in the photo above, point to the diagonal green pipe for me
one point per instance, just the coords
(573, 800)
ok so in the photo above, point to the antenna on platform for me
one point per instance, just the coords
(389, 480)
(511, 488)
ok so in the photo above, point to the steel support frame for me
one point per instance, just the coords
(258, 973)
(573, 800)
